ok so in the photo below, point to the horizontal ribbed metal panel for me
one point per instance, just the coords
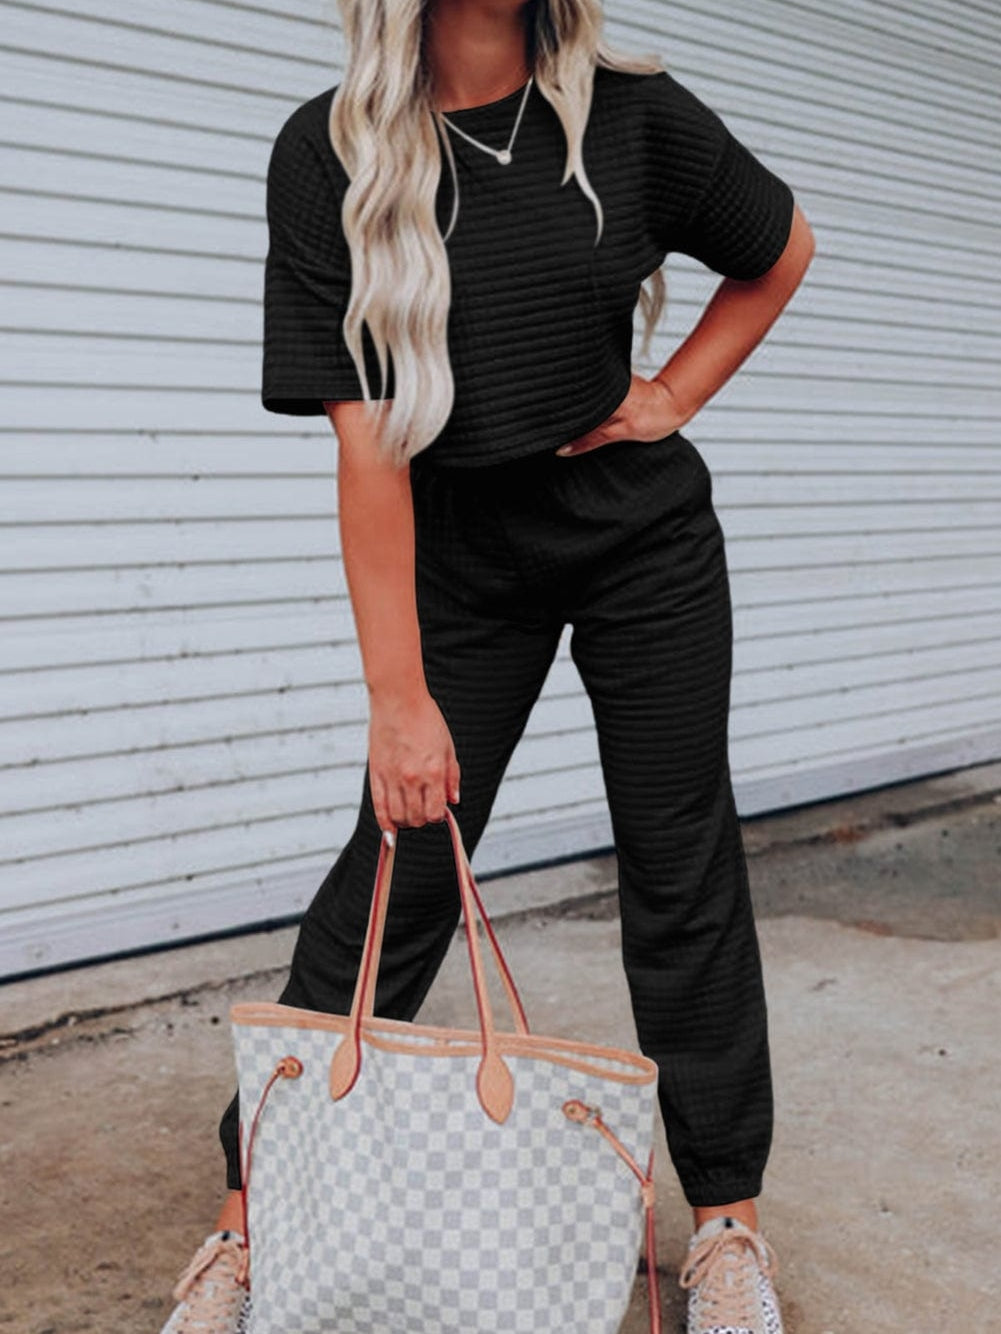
(183, 719)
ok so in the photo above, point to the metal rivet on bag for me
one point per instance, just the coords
(290, 1067)
(577, 1110)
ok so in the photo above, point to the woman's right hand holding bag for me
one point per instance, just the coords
(413, 769)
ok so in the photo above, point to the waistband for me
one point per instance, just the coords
(626, 456)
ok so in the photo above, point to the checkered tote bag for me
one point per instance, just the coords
(400, 1178)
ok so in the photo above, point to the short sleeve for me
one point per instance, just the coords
(718, 202)
(307, 283)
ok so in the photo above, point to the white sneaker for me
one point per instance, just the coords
(210, 1297)
(728, 1271)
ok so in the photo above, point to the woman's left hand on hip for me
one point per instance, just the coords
(648, 412)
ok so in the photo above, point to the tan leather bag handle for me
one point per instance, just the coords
(494, 1084)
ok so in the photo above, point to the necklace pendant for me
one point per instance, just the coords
(504, 156)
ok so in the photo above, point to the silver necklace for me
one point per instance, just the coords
(503, 155)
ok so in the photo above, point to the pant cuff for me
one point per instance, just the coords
(700, 1194)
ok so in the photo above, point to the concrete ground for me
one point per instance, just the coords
(879, 922)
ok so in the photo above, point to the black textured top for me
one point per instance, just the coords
(540, 326)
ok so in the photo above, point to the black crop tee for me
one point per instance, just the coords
(540, 326)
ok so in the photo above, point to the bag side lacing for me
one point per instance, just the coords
(289, 1067)
(587, 1115)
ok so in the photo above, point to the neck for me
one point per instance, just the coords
(476, 50)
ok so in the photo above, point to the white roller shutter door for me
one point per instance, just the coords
(183, 720)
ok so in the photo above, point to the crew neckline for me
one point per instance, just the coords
(491, 106)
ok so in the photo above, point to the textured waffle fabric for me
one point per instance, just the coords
(541, 319)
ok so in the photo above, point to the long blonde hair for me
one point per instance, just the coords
(382, 127)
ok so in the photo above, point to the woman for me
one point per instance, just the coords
(467, 220)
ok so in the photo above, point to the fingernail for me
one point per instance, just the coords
(564, 449)
(389, 837)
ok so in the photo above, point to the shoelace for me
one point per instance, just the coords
(720, 1266)
(221, 1293)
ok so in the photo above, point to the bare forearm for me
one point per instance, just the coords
(735, 320)
(413, 769)
(376, 518)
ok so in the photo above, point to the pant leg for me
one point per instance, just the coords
(652, 640)
(486, 653)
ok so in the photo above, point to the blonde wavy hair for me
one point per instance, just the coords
(382, 127)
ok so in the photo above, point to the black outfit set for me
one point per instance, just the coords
(513, 542)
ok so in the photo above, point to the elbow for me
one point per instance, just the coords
(797, 254)
(802, 243)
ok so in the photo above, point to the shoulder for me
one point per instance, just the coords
(619, 91)
(658, 106)
(682, 134)
(656, 89)
(305, 119)
(302, 144)
(672, 107)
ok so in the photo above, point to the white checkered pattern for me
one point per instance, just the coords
(404, 1209)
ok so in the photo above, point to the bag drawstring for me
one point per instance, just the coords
(583, 1113)
(289, 1067)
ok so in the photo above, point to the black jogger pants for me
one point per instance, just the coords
(623, 544)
